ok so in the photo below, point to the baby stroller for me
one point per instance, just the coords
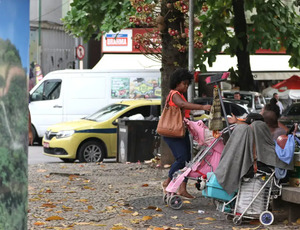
(206, 160)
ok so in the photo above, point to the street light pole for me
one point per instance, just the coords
(39, 61)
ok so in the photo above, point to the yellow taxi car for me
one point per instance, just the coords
(94, 137)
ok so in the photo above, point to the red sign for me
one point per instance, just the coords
(80, 52)
(119, 40)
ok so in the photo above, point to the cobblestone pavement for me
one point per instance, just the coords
(118, 196)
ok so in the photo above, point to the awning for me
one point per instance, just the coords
(264, 67)
(127, 61)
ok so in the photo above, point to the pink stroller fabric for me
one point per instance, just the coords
(204, 137)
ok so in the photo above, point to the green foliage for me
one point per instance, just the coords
(13, 142)
(89, 17)
(270, 25)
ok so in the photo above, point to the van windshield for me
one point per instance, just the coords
(106, 112)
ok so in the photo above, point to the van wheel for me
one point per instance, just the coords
(34, 136)
(91, 151)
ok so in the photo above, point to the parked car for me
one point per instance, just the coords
(291, 115)
(95, 136)
(255, 101)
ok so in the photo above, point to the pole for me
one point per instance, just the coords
(191, 88)
(39, 61)
(191, 59)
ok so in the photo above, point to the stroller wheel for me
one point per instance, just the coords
(165, 198)
(266, 218)
(175, 202)
(237, 220)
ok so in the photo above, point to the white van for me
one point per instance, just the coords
(65, 95)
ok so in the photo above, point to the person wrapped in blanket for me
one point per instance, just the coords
(181, 147)
(251, 143)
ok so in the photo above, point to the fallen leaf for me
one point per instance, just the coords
(48, 205)
(126, 211)
(203, 223)
(157, 228)
(186, 202)
(151, 207)
(135, 214)
(82, 200)
(158, 215)
(190, 212)
(87, 187)
(48, 191)
(90, 207)
(174, 217)
(158, 209)
(145, 185)
(135, 221)
(49, 210)
(41, 170)
(210, 218)
(66, 208)
(54, 218)
(118, 226)
(179, 225)
(147, 218)
(167, 166)
(51, 181)
(38, 223)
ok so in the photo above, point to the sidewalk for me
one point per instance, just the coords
(117, 196)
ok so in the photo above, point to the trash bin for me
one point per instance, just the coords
(137, 140)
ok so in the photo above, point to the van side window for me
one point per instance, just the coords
(49, 90)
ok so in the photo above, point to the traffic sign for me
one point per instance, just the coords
(80, 52)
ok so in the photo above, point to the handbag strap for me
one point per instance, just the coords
(169, 97)
(168, 100)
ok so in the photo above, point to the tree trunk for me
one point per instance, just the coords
(246, 81)
(171, 59)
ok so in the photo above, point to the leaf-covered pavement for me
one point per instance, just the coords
(116, 196)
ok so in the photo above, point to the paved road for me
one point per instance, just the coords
(36, 156)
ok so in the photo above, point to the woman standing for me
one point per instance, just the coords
(181, 147)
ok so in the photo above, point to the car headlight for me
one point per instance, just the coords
(65, 133)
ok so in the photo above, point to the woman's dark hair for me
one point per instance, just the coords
(273, 107)
(180, 75)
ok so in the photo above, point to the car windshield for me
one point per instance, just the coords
(106, 112)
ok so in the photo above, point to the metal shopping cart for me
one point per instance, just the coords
(252, 199)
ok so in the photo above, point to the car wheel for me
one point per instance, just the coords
(91, 151)
(67, 160)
